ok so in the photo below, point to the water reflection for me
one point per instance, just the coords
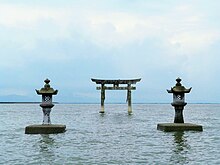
(46, 142)
(180, 148)
(45, 147)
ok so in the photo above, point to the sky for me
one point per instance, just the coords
(72, 41)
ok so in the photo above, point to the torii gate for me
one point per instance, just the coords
(116, 86)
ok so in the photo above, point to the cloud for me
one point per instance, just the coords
(180, 26)
(21, 16)
(105, 39)
(50, 32)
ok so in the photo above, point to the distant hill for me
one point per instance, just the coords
(16, 98)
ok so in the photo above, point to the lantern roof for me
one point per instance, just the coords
(47, 89)
(178, 88)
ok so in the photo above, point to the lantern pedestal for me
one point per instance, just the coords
(169, 127)
(45, 129)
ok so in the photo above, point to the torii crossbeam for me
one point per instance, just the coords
(115, 86)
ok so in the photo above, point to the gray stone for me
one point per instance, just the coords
(168, 127)
(45, 129)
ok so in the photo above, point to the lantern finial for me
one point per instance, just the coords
(178, 80)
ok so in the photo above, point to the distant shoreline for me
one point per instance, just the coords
(19, 102)
(14, 102)
(23, 102)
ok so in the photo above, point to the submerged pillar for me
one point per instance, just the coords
(129, 99)
(102, 99)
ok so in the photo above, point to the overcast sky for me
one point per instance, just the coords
(72, 41)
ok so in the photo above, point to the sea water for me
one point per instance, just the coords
(111, 138)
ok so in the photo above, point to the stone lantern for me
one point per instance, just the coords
(46, 127)
(47, 92)
(178, 103)
(179, 100)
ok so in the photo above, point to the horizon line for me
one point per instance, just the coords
(36, 102)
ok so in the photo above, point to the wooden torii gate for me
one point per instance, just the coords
(116, 86)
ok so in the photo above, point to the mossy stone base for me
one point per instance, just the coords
(45, 129)
(168, 127)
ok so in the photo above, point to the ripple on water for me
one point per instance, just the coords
(112, 138)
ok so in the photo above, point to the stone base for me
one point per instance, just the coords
(45, 129)
(168, 127)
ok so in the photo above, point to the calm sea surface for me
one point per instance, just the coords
(112, 138)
